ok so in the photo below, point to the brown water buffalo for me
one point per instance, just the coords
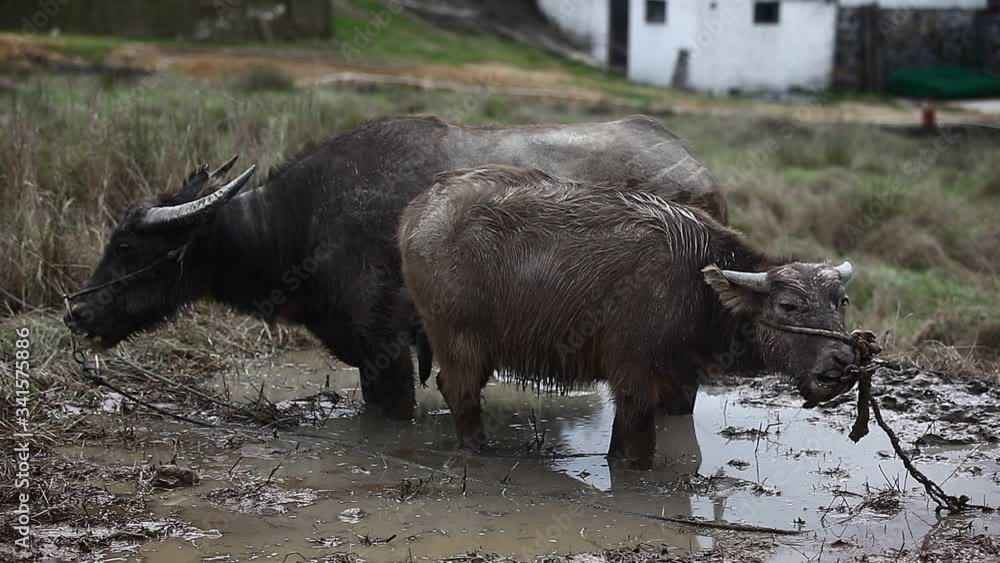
(561, 283)
(315, 244)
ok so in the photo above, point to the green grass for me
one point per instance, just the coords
(401, 40)
(406, 40)
(90, 48)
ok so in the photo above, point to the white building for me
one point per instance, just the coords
(717, 46)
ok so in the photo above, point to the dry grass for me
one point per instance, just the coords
(76, 153)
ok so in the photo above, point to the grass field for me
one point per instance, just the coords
(917, 214)
(403, 39)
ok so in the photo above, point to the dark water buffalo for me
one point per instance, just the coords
(556, 282)
(316, 243)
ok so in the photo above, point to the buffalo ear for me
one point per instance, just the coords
(737, 298)
(199, 179)
(193, 185)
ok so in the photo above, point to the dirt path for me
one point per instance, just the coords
(320, 68)
(312, 69)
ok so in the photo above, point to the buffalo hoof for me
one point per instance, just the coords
(617, 460)
(470, 446)
(402, 410)
(641, 464)
(676, 409)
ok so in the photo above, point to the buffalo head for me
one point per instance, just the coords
(141, 279)
(795, 295)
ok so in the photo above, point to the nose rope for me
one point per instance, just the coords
(175, 254)
(842, 336)
(864, 342)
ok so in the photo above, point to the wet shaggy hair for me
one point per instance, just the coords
(562, 283)
(479, 237)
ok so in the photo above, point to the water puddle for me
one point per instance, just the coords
(392, 491)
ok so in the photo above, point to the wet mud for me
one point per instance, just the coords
(751, 476)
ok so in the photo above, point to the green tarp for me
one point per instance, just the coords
(943, 83)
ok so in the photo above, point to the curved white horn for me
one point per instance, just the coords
(846, 272)
(186, 213)
(756, 281)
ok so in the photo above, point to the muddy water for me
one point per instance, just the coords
(352, 481)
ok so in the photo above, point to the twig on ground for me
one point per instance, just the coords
(93, 375)
(167, 381)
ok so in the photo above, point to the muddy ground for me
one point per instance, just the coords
(310, 477)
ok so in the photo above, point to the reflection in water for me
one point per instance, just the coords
(582, 439)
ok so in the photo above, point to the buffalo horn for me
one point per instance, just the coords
(846, 272)
(756, 281)
(186, 213)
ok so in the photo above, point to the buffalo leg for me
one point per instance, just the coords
(395, 391)
(368, 393)
(462, 391)
(633, 435)
(386, 369)
(387, 383)
(676, 397)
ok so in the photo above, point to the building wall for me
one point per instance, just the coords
(918, 4)
(600, 11)
(584, 21)
(872, 42)
(573, 17)
(816, 44)
(653, 48)
(734, 53)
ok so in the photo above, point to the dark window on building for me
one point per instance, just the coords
(656, 11)
(766, 12)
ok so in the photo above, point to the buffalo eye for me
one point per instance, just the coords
(123, 249)
(844, 302)
(788, 307)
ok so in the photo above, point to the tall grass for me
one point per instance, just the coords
(918, 215)
(76, 152)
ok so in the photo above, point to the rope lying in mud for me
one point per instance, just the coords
(866, 345)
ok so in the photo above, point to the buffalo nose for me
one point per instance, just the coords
(74, 312)
(843, 358)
